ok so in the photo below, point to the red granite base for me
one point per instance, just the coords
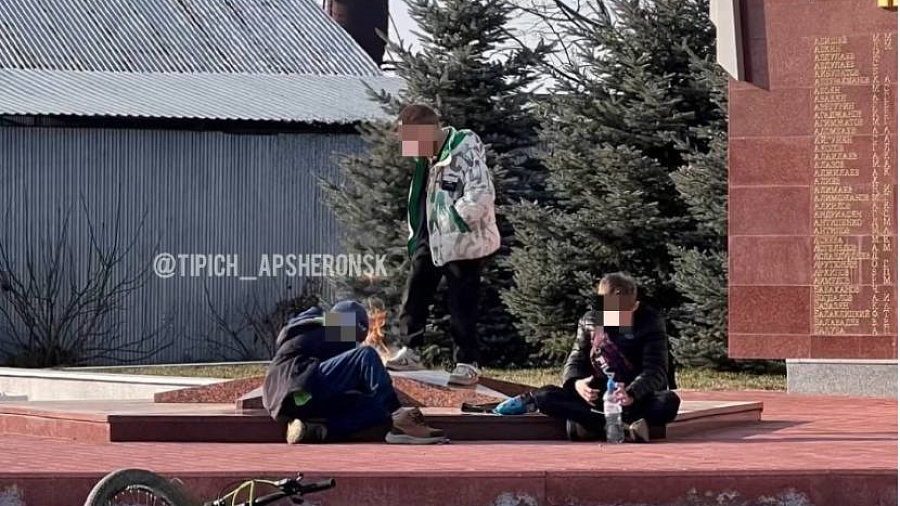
(419, 394)
(136, 421)
(412, 392)
(418, 389)
(218, 393)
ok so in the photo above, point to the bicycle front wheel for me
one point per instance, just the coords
(136, 487)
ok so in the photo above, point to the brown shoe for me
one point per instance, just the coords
(410, 429)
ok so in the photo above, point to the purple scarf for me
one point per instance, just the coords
(606, 357)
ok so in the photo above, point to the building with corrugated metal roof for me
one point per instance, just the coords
(171, 126)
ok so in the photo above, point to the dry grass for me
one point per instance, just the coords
(692, 379)
(700, 379)
(235, 371)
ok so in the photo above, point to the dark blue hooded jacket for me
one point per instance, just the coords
(300, 348)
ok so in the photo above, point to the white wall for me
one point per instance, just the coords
(51, 385)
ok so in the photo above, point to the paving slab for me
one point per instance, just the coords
(805, 451)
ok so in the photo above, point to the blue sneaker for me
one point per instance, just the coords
(512, 406)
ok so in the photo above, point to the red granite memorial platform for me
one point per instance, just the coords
(804, 451)
(133, 421)
(226, 412)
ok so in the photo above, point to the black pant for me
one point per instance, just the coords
(464, 282)
(659, 408)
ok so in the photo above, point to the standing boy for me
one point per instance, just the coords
(452, 228)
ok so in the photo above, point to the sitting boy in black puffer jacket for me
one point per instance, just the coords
(626, 340)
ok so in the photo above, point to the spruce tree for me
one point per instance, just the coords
(613, 131)
(465, 70)
(701, 264)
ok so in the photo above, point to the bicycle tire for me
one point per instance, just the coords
(121, 480)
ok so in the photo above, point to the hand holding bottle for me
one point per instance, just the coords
(621, 396)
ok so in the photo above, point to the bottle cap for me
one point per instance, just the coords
(611, 384)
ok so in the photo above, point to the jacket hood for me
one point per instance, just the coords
(311, 318)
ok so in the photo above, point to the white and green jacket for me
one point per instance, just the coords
(459, 201)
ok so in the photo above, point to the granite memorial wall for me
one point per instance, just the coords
(813, 182)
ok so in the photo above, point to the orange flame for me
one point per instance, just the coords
(377, 320)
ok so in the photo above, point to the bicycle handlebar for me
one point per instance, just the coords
(317, 486)
(287, 488)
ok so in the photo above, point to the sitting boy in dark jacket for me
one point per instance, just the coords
(328, 387)
(627, 341)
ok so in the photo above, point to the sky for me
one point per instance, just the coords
(405, 25)
(526, 27)
(401, 19)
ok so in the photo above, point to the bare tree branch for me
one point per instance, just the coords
(251, 335)
(65, 308)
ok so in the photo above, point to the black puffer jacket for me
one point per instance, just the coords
(647, 361)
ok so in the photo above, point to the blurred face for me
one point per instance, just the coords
(615, 312)
(342, 327)
(419, 140)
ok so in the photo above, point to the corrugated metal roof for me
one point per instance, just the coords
(215, 36)
(294, 98)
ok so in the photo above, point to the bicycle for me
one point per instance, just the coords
(123, 487)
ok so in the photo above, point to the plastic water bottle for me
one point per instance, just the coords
(615, 430)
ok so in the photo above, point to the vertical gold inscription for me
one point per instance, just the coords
(877, 120)
(887, 194)
(838, 206)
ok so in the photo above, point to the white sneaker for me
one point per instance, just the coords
(465, 375)
(405, 360)
(306, 432)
